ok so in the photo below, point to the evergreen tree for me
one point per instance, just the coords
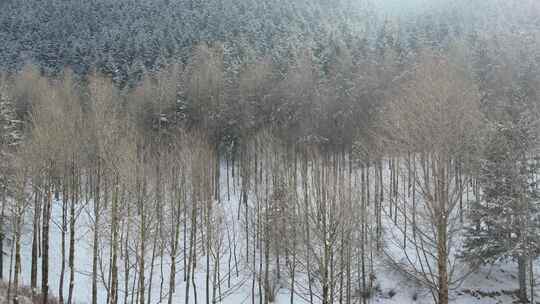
(10, 132)
(505, 223)
(10, 135)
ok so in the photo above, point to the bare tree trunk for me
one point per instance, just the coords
(442, 257)
(10, 270)
(522, 279)
(176, 204)
(35, 241)
(95, 244)
(193, 271)
(531, 278)
(188, 273)
(172, 272)
(208, 211)
(307, 228)
(192, 249)
(17, 270)
(71, 259)
(363, 234)
(126, 256)
(114, 245)
(229, 270)
(2, 234)
(184, 247)
(45, 241)
(142, 249)
(133, 284)
(63, 245)
(152, 262)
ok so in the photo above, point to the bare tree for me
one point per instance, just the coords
(103, 123)
(435, 116)
(21, 202)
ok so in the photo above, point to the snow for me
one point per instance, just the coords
(489, 284)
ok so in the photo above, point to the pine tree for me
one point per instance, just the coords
(504, 224)
(10, 135)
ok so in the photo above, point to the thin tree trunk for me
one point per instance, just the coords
(71, 258)
(531, 278)
(97, 197)
(10, 270)
(208, 249)
(442, 256)
(2, 215)
(35, 241)
(142, 249)
(175, 241)
(152, 262)
(63, 246)
(17, 269)
(126, 254)
(45, 241)
(114, 245)
(522, 279)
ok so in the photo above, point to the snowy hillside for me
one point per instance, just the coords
(489, 284)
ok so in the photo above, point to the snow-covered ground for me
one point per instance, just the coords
(488, 285)
(495, 284)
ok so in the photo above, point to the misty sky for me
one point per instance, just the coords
(400, 7)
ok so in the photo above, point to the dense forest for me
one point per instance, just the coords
(187, 151)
